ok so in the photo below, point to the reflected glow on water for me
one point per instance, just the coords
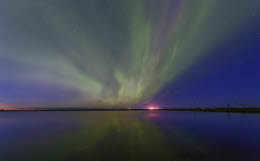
(124, 135)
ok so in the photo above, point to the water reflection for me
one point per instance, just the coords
(151, 135)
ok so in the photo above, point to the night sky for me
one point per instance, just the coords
(121, 53)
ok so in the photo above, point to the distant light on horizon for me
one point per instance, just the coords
(152, 107)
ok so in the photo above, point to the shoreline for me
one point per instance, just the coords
(220, 109)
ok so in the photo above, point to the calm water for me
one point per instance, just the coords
(129, 136)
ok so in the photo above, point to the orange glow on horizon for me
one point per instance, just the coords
(153, 107)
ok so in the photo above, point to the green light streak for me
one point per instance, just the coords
(117, 54)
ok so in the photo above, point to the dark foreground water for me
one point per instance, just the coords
(129, 136)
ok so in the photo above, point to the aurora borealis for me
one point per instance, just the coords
(108, 52)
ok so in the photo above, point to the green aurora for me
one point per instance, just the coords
(114, 53)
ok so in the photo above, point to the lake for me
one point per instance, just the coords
(129, 136)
